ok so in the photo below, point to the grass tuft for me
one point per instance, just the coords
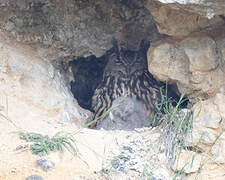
(42, 145)
(175, 123)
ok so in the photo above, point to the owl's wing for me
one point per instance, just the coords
(101, 102)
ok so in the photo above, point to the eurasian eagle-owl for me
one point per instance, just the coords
(126, 74)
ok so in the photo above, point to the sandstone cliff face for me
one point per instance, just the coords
(194, 63)
(187, 49)
(33, 87)
(180, 20)
(207, 8)
(77, 28)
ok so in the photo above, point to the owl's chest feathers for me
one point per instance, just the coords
(119, 86)
(136, 86)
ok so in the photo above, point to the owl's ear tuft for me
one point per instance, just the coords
(115, 47)
(115, 44)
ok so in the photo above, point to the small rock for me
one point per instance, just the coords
(218, 150)
(188, 162)
(80, 177)
(13, 170)
(154, 178)
(46, 165)
(34, 177)
(206, 120)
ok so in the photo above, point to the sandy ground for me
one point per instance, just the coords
(19, 164)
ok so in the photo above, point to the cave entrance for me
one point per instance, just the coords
(88, 76)
(87, 73)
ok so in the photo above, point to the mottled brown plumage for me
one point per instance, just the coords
(126, 74)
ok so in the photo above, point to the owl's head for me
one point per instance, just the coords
(125, 63)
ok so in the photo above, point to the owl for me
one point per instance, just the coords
(126, 74)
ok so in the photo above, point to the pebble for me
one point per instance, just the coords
(46, 165)
(34, 177)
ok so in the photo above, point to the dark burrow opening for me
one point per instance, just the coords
(87, 74)
(92, 74)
